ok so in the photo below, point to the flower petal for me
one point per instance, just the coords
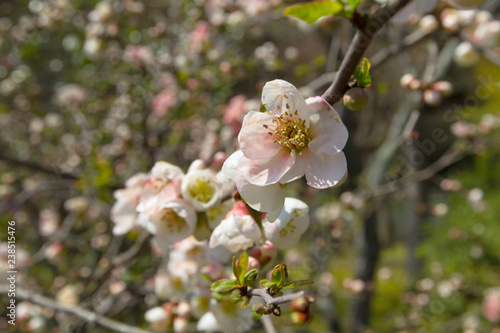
(231, 164)
(323, 170)
(295, 172)
(327, 130)
(261, 198)
(254, 138)
(266, 171)
(278, 94)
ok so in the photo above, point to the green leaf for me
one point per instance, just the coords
(224, 285)
(259, 310)
(267, 284)
(312, 11)
(280, 275)
(240, 268)
(295, 284)
(362, 74)
(251, 276)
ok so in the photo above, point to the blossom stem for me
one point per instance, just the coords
(360, 43)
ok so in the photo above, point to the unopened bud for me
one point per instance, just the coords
(432, 97)
(300, 304)
(406, 80)
(466, 55)
(428, 24)
(450, 20)
(355, 99)
(487, 34)
(444, 87)
(300, 318)
(416, 85)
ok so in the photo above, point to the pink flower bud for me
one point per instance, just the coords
(406, 80)
(355, 99)
(491, 305)
(487, 34)
(428, 24)
(183, 309)
(444, 87)
(450, 20)
(265, 253)
(432, 97)
(180, 325)
(466, 55)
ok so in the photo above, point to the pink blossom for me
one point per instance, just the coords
(238, 231)
(199, 35)
(164, 101)
(295, 137)
(491, 305)
(235, 112)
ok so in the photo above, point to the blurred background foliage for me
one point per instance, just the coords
(95, 92)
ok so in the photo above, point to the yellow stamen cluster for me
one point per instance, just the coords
(290, 131)
(289, 229)
(172, 221)
(202, 189)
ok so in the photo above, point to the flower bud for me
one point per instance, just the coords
(487, 34)
(300, 304)
(466, 55)
(432, 97)
(443, 87)
(157, 317)
(467, 3)
(428, 24)
(406, 80)
(355, 99)
(450, 20)
(300, 318)
(180, 325)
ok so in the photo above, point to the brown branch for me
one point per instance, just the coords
(358, 47)
(37, 167)
(88, 316)
(275, 300)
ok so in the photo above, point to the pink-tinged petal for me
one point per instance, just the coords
(229, 168)
(327, 129)
(266, 171)
(261, 198)
(254, 139)
(295, 172)
(278, 94)
(323, 170)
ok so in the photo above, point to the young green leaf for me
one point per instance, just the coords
(295, 284)
(251, 276)
(259, 310)
(280, 275)
(362, 74)
(268, 284)
(240, 268)
(312, 11)
(224, 285)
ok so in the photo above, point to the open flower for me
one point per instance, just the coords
(291, 224)
(201, 188)
(238, 231)
(170, 222)
(294, 138)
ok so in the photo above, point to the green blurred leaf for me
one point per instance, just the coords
(280, 275)
(362, 74)
(224, 285)
(295, 284)
(312, 11)
(267, 284)
(251, 276)
(240, 268)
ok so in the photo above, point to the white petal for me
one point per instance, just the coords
(261, 198)
(296, 171)
(327, 130)
(254, 139)
(231, 164)
(207, 323)
(278, 94)
(323, 170)
(266, 171)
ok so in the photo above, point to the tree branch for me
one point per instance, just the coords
(275, 300)
(86, 315)
(37, 167)
(358, 47)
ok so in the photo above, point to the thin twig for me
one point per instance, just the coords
(88, 316)
(358, 47)
(275, 300)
